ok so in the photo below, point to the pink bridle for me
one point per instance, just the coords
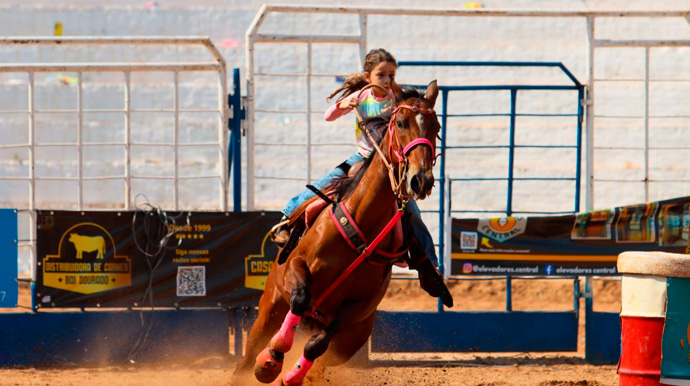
(395, 140)
(394, 145)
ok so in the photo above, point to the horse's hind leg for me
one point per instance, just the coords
(348, 342)
(269, 363)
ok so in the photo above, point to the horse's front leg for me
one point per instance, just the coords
(269, 363)
(343, 334)
(315, 347)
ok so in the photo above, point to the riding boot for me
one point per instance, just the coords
(419, 231)
(422, 255)
(430, 279)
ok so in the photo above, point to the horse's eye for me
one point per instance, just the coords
(400, 125)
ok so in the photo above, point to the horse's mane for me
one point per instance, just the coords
(344, 187)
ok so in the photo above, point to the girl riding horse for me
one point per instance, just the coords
(331, 285)
(379, 70)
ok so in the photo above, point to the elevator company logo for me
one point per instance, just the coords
(257, 267)
(502, 228)
(87, 262)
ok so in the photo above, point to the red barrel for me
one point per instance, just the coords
(643, 311)
(640, 363)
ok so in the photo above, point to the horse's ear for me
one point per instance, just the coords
(431, 92)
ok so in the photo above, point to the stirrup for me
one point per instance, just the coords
(282, 236)
(274, 230)
(293, 240)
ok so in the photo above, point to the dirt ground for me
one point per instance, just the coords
(462, 369)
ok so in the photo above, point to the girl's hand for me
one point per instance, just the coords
(350, 104)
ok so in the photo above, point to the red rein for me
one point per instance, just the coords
(367, 251)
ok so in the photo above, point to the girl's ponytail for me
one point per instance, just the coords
(352, 84)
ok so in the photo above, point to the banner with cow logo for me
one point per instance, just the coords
(152, 258)
(102, 270)
(578, 244)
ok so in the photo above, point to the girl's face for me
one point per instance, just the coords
(382, 75)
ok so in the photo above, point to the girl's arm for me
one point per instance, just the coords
(341, 108)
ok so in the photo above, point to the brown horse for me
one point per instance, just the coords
(343, 315)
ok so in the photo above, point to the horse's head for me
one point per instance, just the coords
(412, 141)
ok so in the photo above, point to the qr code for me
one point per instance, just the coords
(468, 240)
(191, 281)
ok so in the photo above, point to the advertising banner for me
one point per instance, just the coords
(152, 258)
(579, 244)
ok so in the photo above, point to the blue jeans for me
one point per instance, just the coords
(321, 184)
(419, 230)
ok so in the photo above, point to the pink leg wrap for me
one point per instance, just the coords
(282, 341)
(298, 372)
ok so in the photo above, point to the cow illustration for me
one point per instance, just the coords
(88, 244)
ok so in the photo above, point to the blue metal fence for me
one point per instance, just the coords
(510, 179)
(534, 325)
(235, 142)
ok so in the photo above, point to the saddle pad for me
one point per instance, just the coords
(313, 210)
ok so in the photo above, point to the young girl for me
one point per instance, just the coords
(379, 69)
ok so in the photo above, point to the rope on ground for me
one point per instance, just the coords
(158, 228)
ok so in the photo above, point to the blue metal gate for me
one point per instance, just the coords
(498, 331)
(510, 179)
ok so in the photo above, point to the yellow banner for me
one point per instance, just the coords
(87, 262)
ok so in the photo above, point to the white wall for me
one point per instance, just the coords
(619, 103)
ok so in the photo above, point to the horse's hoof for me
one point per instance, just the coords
(282, 382)
(285, 382)
(267, 366)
